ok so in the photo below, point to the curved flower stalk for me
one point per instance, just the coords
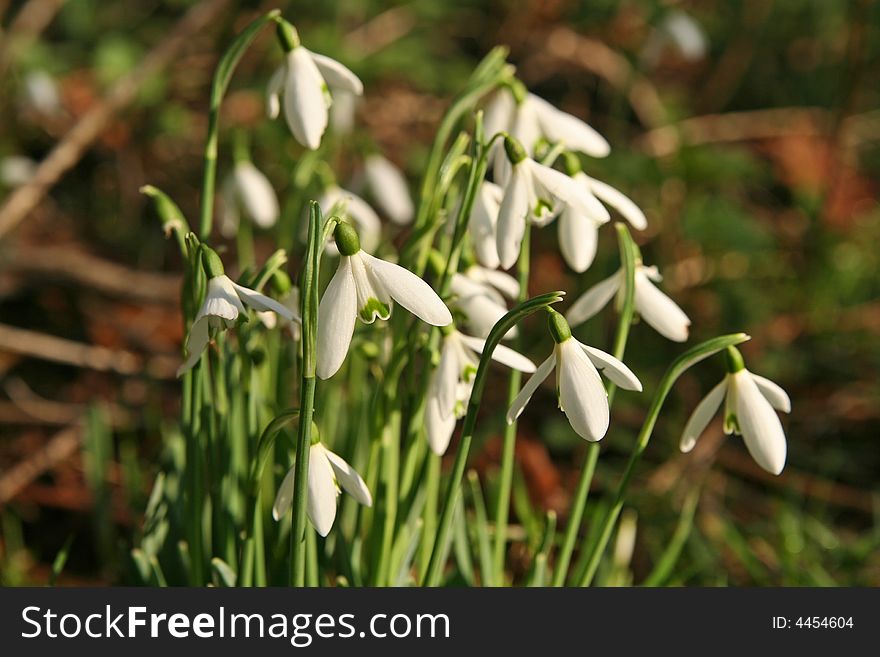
(389, 189)
(346, 204)
(248, 189)
(327, 473)
(529, 119)
(582, 396)
(224, 304)
(749, 403)
(304, 85)
(364, 287)
(537, 193)
(657, 309)
(479, 294)
(453, 379)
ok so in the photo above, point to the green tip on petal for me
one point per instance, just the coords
(559, 328)
(347, 239)
(515, 151)
(211, 262)
(287, 35)
(734, 360)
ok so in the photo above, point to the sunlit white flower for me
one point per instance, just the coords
(16, 170)
(749, 403)
(247, 189)
(537, 193)
(224, 303)
(304, 85)
(657, 309)
(363, 287)
(579, 388)
(483, 223)
(479, 294)
(327, 472)
(290, 300)
(679, 30)
(389, 189)
(453, 379)
(338, 201)
(342, 111)
(41, 94)
(534, 119)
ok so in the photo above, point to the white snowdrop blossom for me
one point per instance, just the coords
(389, 188)
(534, 119)
(248, 189)
(327, 472)
(270, 320)
(749, 403)
(364, 287)
(346, 204)
(452, 381)
(17, 170)
(224, 303)
(679, 30)
(40, 93)
(304, 85)
(483, 223)
(479, 294)
(537, 193)
(579, 389)
(657, 309)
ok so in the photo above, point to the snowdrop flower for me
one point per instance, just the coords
(389, 188)
(40, 93)
(579, 388)
(479, 294)
(306, 82)
(248, 189)
(17, 170)
(537, 193)
(327, 472)
(453, 379)
(363, 287)
(533, 118)
(679, 30)
(224, 303)
(657, 309)
(344, 203)
(749, 403)
(342, 112)
(288, 296)
(483, 222)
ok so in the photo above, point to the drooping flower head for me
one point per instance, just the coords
(304, 85)
(363, 287)
(579, 389)
(749, 403)
(248, 189)
(479, 294)
(223, 307)
(389, 189)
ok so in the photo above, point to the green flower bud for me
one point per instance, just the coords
(572, 163)
(515, 151)
(347, 239)
(559, 328)
(519, 91)
(281, 282)
(287, 35)
(211, 262)
(734, 360)
(316, 438)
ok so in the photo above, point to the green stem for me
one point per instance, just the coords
(453, 486)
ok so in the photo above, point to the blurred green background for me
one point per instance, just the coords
(747, 130)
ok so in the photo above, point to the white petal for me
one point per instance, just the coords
(581, 393)
(567, 190)
(439, 428)
(321, 504)
(305, 107)
(593, 300)
(759, 424)
(659, 310)
(336, 317)
(499, 113)
(501, 281)
(256, 195)
(613, 368)
(774, 393)
(336, 75)
(519, 403)
(409, 291)
(261, 302)
(483, 221)
(284, 497)
(221, 300)
(559, 126)
(273, 92)
(620, 202)
(196, 342)
(512, 216)
(501, 354)
(482, 314)
(349, 479)
(578, 239)
(389, 188)
(525, 125)
(445, 378)
(699, 419)
(368, 224)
